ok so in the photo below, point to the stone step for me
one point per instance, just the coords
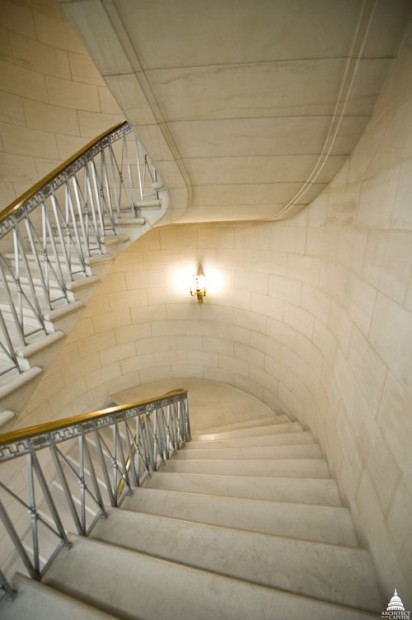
(83, 288)
(303, 491)
(37, 601)
(41, 352)
(327, 572)
(57, 263)
(65, 317)
(149, 204)
(55, 292)
(54, 319)
(8, 367)
(280, 427)
(252, 423)
(130, 221)
(153, 589)
(293, 437)
(328, 524)
(304, 451)
(158, 185)
(114, 240)
(17, 388)
(6, 416)
(293, 468)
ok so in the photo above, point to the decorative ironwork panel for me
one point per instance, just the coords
(73, 471)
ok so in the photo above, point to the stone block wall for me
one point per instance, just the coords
(52, 99)
(313, 316)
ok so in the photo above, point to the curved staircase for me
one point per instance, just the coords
(244, 522)
(57, 241)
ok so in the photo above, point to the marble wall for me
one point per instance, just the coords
(52, 99)
(312, 315)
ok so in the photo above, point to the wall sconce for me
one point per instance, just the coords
(198, 287)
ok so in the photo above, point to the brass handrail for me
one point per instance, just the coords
(106, 453)
(21, 200)
(48, 427)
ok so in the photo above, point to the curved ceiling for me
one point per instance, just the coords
(248, 108)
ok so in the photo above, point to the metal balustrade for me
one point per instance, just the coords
(50, 234)
(65, 473)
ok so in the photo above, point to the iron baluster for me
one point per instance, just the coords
(10, 302)
(105, 471)
(10, 529)
(56, 212)
(129, 175)
(161, 432)
(82, 484)
(149, 438)
(94, 219)
(131, 451)
(124, 471)
(117, 185)
(105, 188)
(33, 514)
(66, 489)
(82, 214)
(59, 261)
(75, 238)
(49, 499)
(96, 230)
(142, 456)
(6, 346)
(90, 464)
(140, 177)
(4, 584)
(43, 284)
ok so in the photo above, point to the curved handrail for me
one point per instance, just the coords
(21, 200)
(52, 233)
(49, 427)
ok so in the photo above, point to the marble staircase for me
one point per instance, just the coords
(16, 386)
(245, 522)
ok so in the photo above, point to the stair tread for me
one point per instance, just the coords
(308, 490)
(36, 601)
(267, 420)
(149, 203)
(281, 427)
(290, 438)
(325, 571)
(186, 592)
(305, 468)
(307, 450)
(329, 524)
(12, 383)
